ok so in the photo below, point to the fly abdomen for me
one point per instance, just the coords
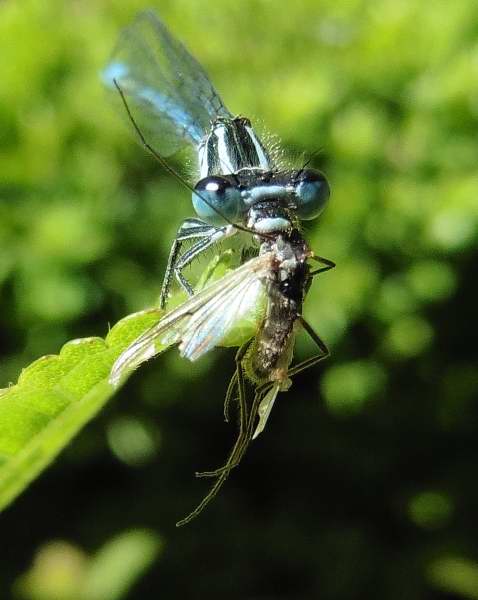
(268, 354)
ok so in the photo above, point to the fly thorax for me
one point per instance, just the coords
(293, 274)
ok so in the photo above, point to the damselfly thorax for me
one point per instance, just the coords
(230, 146)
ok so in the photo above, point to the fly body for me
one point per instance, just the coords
(285, 290)
(278, 279)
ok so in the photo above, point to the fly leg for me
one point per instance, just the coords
(237, 381)
(246, 423)
(229, 395)
(329, 264)
(313, 360)
(247, 418)
(235, 456)
(191, 229)
(242, 443)
(261, 391)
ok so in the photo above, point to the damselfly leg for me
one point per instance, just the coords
(206, 236)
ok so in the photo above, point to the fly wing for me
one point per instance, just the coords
(211, 324)
(265, 409)
(203, 321)
(169, 93)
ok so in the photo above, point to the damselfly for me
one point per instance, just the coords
(240, 186)
(240, 189)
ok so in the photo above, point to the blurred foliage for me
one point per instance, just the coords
(61, 571)
(364, 484)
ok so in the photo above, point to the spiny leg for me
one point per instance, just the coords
(190, 229)
(187, 258)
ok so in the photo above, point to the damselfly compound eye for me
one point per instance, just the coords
(312, 193)
(216, 198)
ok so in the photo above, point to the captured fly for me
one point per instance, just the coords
(269, 289)
(239, 186)
(171, 102)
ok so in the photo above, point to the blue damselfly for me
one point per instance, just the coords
(171, 102)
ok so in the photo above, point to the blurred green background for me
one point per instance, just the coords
(364, 484)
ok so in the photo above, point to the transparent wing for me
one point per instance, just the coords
(265, 409)
(203, 321)
(168, 91)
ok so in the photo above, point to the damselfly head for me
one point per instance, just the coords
(303, 194)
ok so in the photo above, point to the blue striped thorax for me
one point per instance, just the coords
(230, 146)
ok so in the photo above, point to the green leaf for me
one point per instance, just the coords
(54, 398)
(57, 395)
